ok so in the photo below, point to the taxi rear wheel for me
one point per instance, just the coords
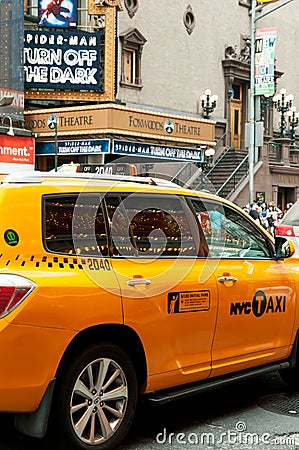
(97, 398)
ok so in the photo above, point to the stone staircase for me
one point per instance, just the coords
(217, 179)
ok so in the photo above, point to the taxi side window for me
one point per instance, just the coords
(74, 224)
(229, 233)
(151, 226)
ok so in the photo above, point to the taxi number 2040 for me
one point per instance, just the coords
(98, 264)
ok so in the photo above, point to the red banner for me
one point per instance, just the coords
(16, 149)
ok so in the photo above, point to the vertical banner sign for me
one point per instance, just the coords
(57, 13)
(11, 67)
(265, 61)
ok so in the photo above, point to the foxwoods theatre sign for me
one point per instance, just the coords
(62, 60)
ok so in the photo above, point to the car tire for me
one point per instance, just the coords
(96, 399)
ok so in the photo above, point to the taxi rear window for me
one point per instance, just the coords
(74, 224)
(152, 226)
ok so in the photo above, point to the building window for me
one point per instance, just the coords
(32, 8)
(132, 45)
(189, 19)
(129, 66)
(131, 6)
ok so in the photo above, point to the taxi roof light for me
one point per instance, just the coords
(23, 177)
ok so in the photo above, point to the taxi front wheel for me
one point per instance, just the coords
(96, 400)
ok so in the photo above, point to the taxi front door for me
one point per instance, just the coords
(256, 314)
(256, 292)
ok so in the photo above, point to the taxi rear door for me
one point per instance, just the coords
(156, 242)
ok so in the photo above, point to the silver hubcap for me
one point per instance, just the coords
(99, 400)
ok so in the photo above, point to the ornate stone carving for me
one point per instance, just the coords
(244, 54)
(107, 2)
(245, 50)
(230, 52)
(113, 2)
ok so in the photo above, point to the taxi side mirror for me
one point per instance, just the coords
(283, 248)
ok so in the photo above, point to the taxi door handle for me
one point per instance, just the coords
(227, 278)
(138, 281)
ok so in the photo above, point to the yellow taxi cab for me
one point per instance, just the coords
(114, 288)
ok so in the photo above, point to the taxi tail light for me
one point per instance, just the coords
(13, 291)
(284, 230)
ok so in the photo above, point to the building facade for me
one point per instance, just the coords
(154, 63)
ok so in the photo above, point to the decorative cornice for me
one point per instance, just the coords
(94, 6)
(280, 169)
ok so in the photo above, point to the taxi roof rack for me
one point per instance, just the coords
(37, 177)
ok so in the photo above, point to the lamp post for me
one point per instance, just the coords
(293, 122)
(251, 105)
(208, 103)
(53, 125)
(283, 104)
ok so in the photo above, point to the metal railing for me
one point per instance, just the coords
(219, 160)
(187, 166)
(232, 182)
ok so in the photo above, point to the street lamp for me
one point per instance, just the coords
(6, 100)
(266, 101)
(209, 153)
(208, 103)
(283, 104)
(10, 131)
(293, 122)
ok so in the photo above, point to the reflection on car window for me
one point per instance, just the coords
(75, 225)
(151, 226)
(228, 233)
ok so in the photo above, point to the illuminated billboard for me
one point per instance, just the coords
(57, 13)
(62, 60)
